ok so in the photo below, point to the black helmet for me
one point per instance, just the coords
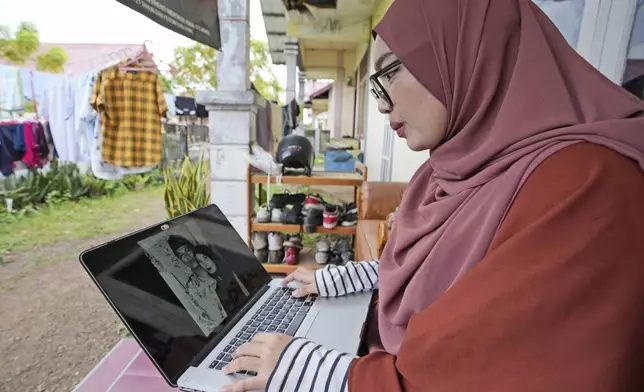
(296, 152)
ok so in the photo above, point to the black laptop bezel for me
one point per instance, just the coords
(213, 340)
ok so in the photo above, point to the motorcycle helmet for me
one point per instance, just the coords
(295, 152)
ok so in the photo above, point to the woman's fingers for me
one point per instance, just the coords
(301, 275)
(243, 363)
(250, 349)
(304, 291)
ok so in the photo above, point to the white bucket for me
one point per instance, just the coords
(9, 205)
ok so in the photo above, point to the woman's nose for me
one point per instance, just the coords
(383, 108)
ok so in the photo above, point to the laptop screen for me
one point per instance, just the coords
(178, 284)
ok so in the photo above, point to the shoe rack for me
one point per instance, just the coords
(317, 178)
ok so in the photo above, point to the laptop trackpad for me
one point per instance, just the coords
(337, 328)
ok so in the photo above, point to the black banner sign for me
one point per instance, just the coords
(195, 19)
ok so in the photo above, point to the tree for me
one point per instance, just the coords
(19, 48)
(196, 67)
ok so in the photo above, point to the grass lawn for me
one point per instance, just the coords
(76, 221)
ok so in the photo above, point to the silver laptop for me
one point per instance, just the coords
(191, 291)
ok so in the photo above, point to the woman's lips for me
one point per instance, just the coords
(399, 128)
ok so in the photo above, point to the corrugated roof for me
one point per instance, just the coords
(86, 57)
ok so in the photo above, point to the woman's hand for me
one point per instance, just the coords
(260, 355)
(304, 276)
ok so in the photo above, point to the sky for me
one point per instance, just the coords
(108, 21)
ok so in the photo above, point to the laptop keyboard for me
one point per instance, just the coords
(281, 313)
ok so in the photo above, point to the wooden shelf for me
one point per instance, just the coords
(318, 178)
(287, 269)
(283, 228)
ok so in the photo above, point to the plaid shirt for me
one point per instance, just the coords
(131, 106)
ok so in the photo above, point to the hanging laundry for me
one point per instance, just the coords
(169, 100)
(7, 151)
(185, 106)
(82, 132)
(201, 111)
(41, 143)
(131, 106)
(35, 83)
(58, 107)
(32, 155)
(11, 97)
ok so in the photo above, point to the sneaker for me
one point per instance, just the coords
(341, 245)
(347, 256)
(322, 257)
(277, 215)
(313, 202)
(331, 216)
(261, 255)
(263, 215)
(263, 161)
(275, 241)
(323, 246)
(291, 256)
(335, 258)
(350, 217)
(314, 219)
(281, 200)
(294, 241)
(293, 214)
(276, 256)
(259, 240)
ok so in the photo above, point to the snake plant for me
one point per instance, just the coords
(186, 186)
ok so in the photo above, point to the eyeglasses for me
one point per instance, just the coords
(378, 84)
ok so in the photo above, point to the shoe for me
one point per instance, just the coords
(350, 217)
(335, 258)
(314, 219)
(275, 241)
(259, 240)
(277, 215)
(263, 161)
(281, 200)
(323, 246)
(322, 257)
(341, 245)
(313, 202)
(276, 256)
(294, 241)
(291, 256)
(263, 215)
(261, 255)
(331, 216)
(347, 256)
(293, 214)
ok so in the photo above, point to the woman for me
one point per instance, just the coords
(516, 259)
(229, 287)
(199, 286)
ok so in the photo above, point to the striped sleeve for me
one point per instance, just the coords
(307, 366)
(335, 281)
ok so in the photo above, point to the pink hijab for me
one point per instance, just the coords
(516, 93)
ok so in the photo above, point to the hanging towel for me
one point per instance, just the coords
(11, 97)
(32, 155)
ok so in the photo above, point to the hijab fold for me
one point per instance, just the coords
(515, 93)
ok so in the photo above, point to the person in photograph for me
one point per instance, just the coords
(229, 286)
(199, 284)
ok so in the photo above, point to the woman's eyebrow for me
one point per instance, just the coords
(381, 59)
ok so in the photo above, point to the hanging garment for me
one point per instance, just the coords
(32, 155)
(41, 142)
(201, 111)
(11, 97)
(100, 168)
(263, 135)
(82, 132)
(185, 106)
(19, 138)
(169, 100)
(35, 83)
(131, 106)
(58, 107)
(7, 152)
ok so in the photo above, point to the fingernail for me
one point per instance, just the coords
(225, 389)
